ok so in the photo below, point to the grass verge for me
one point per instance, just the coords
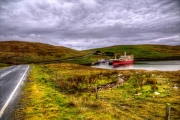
(2, 65)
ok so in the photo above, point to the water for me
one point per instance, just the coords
(172, 65)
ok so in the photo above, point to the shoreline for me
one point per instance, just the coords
(154, 59)
(163, 65)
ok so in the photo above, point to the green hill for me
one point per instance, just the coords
(16, 52)
(142, 52)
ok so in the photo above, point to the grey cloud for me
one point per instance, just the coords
(83, 24)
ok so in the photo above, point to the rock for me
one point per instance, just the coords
(119, 75)
(175, 86)
(156, 93)
(120, 81)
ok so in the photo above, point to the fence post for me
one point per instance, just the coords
(168, 108)
(96, 90)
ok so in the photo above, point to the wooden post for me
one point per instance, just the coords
(96, 90)
(168, 108)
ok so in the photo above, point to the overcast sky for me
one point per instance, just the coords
(85, 24)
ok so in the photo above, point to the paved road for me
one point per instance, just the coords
(10, 81)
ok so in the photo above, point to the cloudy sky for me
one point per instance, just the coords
(85, 24)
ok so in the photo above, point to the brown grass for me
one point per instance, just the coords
(16, 52)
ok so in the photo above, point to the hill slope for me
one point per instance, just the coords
(16, 52)
(144, 52)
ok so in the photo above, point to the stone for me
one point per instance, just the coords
(156, 93)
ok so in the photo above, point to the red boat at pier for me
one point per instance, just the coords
(123, 60)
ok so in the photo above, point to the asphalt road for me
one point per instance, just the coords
(11, 80)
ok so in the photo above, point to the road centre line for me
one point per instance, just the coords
(12, 94)
(8, 72)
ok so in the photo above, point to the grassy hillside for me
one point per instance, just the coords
(16, 52)
(143, 52)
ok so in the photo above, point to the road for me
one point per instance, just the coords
(10, 82)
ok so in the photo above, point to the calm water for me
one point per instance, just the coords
(173, 65)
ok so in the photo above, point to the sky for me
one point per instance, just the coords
(86, 24)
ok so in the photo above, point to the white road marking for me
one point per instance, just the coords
(10, 97)
(9, 72)
(5, 73)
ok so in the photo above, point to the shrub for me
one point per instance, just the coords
(154, 87)
(151, 81)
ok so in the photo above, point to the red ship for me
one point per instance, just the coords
(123, 60)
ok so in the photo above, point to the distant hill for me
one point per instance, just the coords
(16, 52)
(143, 52)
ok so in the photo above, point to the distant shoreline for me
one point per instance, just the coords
(155, 59)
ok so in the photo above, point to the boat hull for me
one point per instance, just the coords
(122, 62)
